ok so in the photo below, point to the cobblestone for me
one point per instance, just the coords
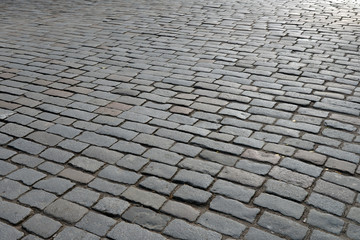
(173, 119)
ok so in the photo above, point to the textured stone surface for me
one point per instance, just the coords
(179, 119)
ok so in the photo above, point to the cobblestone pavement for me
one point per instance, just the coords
(178, 119)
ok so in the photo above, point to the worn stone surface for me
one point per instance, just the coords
(179, 119)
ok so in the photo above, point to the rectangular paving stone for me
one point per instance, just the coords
(200, 166)
(128, 147)
(119, 175)
(117, 132)
(153, 141)
(346, 181)
(146, 198)
(10, 232)
(65, 210)
(301, 167)
(87, 164)
(6, 168)
(335, 191)
(327, 204)
(56, 155)
(285, 190)
(283, 226)
(261, 156)
(221, 224)
(13, 213)
(242, 177)
(160, 170)
(181, 230)
(180, 210)
(146, 218)
(24, 159)
(128, 231)
(232, 190)
(254, 167)
(311, 157)
(339, 154)
(234, 208)
(75, 175)
(163, 156)
(103, 154)
(278, 204)
(132, 162)
(192, 195)
(82, 196)
(291, 177)
(42, 226)
(64, 131)
(78, 114)
(96, 223)
(26, 175)
(10, 189)
(15, 130)
(54, 185)
(37, 198)
(256, 234)
(223, 159)
(193, 178)
(27, 146)
(158, 185)
(217, 146)
(96, 139)
(325, 221)
(112, 206)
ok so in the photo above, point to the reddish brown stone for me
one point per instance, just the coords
(7, 105)
(181, 110)
(58, 93)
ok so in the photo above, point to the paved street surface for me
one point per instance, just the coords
(179, 119)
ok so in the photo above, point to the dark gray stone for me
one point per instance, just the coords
(9, 233)
(82, 196)
(160, 170)
(26, 175)
(319, 235)
(232, 190)
(12, 212)
(146, 198)
(193, 178)
(192, 195)
(234, 208)
(11, 189)
(37, 198)
(103, 154)
(158, 185)
(56, 155)
(327, 204)
(180, 210)
(256, 234)
(65, 210)
(242, 177)
(132, 162)
(146, 218)
(278, 204)
(75, 233)
(221, 224)
(163, 156)
(42, 225)
(283, 226)
(179, 229)
(119, 175)
(128, 231)
(55, 185)
(254, 167)
(107, 187)
(325, 221)
(96, 223)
